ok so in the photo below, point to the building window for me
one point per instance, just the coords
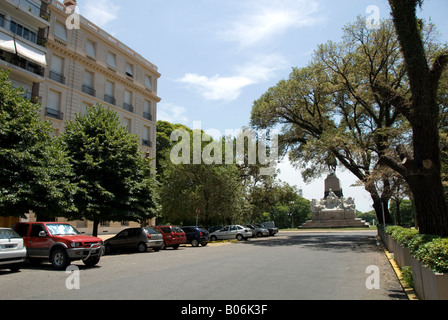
(21, 31)
(2, 20)
(112, 60)
(110, 96)
(148, 82)
(147, 114)
(130, 70)
(146, 137)
(53, 109)
(91, 48)
(128, 124)
(88, 86)
(127, 105)
(57, 69)
(60, 31)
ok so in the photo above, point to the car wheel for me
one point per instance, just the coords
(239, 237)
(259, 234)
(91, 262)
(195, 243)
(15, 267)
(213, 238)
(175, 246)
(141, 247)
(59, 259)
(108, 249)
(204, 244)
(164, 246)
(156, 249)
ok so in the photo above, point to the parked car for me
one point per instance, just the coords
(60, 243)
(270, 225)
(12, 250)
(258, 231)
(231, 232)
(213, 229)
(135, 238)
(196, 235)
(173, 236)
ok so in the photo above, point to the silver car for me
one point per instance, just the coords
(135, 238)
(12, 250)
(231, 232)
(258, 231)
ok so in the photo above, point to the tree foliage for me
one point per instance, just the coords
(114, 180)
(34, 173)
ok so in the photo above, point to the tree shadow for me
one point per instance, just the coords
(335, 242)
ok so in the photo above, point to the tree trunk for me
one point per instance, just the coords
(378, 206)
(95, 228)
(422, 111)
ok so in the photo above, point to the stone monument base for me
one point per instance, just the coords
(333, 223)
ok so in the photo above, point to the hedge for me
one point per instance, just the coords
(431, 250)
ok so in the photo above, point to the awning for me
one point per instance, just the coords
(30, 53)
(7, 43)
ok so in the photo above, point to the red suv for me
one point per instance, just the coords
(59, 242)
(173, 236)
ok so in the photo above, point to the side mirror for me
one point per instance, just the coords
(42, 234)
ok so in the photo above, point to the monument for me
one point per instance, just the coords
(334, 211)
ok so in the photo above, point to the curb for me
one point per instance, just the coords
(410, 292)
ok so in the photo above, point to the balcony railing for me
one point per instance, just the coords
(53, 113)
(128, 107)
(21, 63)
(31, 7)
(110, 99)
(147, 143)
(147, 116)
(56, 76)
(89, 90)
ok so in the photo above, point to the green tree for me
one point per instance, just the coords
(114, 179)
(213, 190)
(34, 172)
(422, 169)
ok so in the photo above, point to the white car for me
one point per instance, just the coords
(12, 250)
(231, 232)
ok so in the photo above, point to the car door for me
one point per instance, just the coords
(233, 230)
(38, 243)
(223, 233)
(121, 239)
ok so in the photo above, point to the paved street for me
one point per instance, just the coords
(290, 266)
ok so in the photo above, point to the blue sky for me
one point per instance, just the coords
(217, 56)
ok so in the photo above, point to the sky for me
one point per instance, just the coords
(217, 57)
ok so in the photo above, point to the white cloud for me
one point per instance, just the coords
(229, 88)
(171, 113)
(266, 19)
(100, 12)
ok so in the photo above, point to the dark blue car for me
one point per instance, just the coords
(196, 235)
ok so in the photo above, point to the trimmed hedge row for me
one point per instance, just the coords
(431, 250)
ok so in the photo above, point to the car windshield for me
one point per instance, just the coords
(8, 234)
(177, 229)
(62, 229)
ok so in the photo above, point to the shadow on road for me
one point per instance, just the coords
(355, 242)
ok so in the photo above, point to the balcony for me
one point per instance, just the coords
(56, 76)
(31, 7)
(128, 107)
(22, 63)
(147, 116)
(53, 113)
(147, 143)
(110, 99)
(89, 90)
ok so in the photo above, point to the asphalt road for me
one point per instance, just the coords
(289, 266)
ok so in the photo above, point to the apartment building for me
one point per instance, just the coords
(71, 69)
